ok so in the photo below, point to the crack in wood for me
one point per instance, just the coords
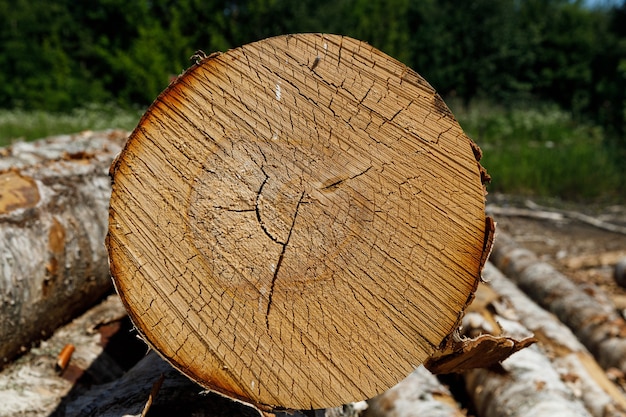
(337, 183)
(279, 263)
(258, 211)
(234, 210)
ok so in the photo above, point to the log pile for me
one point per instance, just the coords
(194, 191)
(53, 265)
(591, 317)
(558, 375)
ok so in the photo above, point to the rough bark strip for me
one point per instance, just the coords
(482, 351)
(32, 386)
(282, 228)
(127, 396)
(596, 324)
(526, 383)
(54, 196)
(420, 394)
(571, 359)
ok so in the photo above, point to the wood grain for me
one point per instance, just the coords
(298, 222)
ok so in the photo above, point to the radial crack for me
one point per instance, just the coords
(280, 261)
(258, 211)
(235, 210)
(341, 181)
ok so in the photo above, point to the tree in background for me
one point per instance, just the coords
(36, 69)
(61, 54)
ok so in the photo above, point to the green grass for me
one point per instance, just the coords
(542, 151)
(29, 125)
(535, 150)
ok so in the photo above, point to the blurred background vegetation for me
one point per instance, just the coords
(539, 84)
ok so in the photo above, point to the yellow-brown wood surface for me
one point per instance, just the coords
(298, 222)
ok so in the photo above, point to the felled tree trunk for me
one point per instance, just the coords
(526, 383)
(529, 386)
(54, 196)
(596, 324)
(175, 394)
(576, 366)
(128, 395)
(420, 394)
(281, 227)
(35, 386)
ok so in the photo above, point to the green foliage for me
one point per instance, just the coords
(542, 150)
(35, 124)
(60, 55)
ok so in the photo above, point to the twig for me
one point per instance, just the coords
(581, 217)
(520, 212)
(153, 393)
(536, 211)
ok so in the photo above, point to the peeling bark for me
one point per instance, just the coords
(420, 394)
(596, 324)
(573, 362)
(54, 196)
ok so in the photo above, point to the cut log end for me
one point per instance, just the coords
(298, 223)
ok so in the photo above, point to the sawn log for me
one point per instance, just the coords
(298, 223)
(54, 196)
(596, 324)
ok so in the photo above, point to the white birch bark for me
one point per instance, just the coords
(54, 196)
(529, 385)
(420, 394)
(33, 387)
(573, 362)
(596, 324)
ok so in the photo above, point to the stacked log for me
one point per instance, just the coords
(53, 200)
(564, 358)
(596, 323)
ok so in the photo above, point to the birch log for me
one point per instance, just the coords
(596, 324)
(177, 395)
(420, 394)
(575, 365)
(33, 386)
(529, 386)
(526, 383)
(282, 228)
(54, 197)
